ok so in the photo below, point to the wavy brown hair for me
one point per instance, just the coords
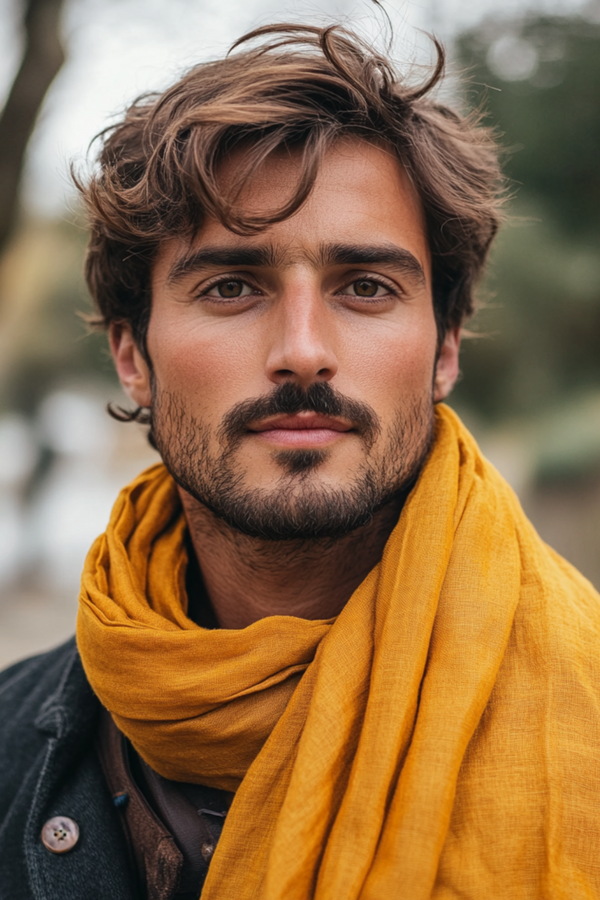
(284, 86)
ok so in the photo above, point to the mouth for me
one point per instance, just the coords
(302, 430)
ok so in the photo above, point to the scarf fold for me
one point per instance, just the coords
(440, 738)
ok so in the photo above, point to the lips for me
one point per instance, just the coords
(302, 429)
(301, 422)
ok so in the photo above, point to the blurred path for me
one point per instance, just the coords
(60, 474)
(32, 621)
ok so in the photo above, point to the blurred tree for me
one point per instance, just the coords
(42, 58)
(47, 345)
(539, 79)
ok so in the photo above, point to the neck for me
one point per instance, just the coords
(248, 579)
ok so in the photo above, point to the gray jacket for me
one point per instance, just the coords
(49, 767)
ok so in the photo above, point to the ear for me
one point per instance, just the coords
(132, 368)
(446, 370)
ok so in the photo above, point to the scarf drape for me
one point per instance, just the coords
(440, 738)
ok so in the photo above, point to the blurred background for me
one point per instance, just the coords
(530, 389)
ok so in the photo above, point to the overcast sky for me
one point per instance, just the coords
(120, 48)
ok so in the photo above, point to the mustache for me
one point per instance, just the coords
(290, 398)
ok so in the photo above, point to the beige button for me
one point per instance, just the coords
(60, 834)
(207, 850)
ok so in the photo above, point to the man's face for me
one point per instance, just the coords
(294, 371)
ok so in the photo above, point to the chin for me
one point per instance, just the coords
(301, 461)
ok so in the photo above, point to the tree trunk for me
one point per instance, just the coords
(42, 59)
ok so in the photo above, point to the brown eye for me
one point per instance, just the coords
(230, 289)
(365, 288)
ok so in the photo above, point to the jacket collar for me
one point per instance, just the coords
(72, 707)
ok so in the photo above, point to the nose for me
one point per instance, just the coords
(302, 347)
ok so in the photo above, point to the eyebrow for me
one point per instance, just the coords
(221, 257)
(372, 254)
(266, 256)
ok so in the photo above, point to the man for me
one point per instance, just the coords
(321, 653)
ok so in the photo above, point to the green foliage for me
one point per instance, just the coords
(539, 80)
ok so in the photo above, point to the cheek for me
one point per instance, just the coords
(394, 368)
(209, 368)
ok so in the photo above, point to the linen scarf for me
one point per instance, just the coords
(440, 738)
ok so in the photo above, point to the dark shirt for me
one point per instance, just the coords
(171, 828)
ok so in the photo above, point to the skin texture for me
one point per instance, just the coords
(302, 316)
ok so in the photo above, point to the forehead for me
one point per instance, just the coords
(362, 195)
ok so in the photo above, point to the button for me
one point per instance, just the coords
(60, 834)
(207, 851)
(121, 799)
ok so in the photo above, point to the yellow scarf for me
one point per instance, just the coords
(440, 738)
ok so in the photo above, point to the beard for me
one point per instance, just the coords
(299, 507)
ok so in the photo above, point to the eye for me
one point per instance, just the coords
(366, 287)
(230, 289)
